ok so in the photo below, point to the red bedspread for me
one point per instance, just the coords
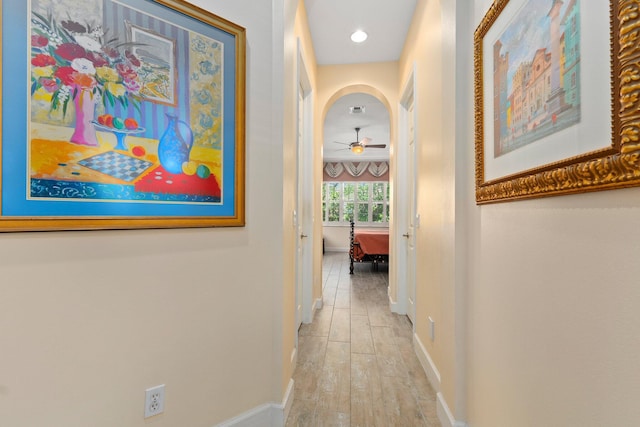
(370, 243)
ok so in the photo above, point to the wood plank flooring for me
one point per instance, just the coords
(356, 364)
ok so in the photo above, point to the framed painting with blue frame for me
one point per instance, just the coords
(120, 114)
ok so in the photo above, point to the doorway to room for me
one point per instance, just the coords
(343, 170)
(303, 214)
(408, 221)
(355, 184)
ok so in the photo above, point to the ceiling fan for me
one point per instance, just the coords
(358, 146)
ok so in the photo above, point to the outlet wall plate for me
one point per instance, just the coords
(154, 401)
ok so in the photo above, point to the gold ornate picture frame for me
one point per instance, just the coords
(105, 130)
(520, 127)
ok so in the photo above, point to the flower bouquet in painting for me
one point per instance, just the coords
(73, 62)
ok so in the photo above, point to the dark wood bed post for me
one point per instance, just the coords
(351, 237)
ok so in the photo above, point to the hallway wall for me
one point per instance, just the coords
(553, 301)
(308, 57)
(430, 54)
(89, 320)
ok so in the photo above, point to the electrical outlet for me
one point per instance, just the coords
(154, 401)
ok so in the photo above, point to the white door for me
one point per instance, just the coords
(412, 219)
(299, 216)
(303, 217)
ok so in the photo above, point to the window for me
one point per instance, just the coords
(331, 201)
(364, 202)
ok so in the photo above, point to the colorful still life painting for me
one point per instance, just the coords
(124, 106)
(536, 74)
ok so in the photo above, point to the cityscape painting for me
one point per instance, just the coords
(536, 74)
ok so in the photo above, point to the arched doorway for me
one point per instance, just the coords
(343, 129)
(356, 120)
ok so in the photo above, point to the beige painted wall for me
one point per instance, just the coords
(89, 320)
(336, 238)
(553, 307)
(309, 59)
(287, 119)
(442, 107)
(436, 248)
(296, 29)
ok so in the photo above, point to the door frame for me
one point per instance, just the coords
(304, 221)
(409, 95)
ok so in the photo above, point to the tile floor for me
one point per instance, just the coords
(356, 364)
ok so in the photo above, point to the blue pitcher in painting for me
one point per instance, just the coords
(175, 145)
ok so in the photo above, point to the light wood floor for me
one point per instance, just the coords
(356, 364)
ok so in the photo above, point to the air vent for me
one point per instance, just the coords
(356, 109)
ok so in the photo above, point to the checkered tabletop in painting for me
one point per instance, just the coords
(117, 165)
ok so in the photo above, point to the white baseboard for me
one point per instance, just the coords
(427, 363)
(267, 415)
(256, 417)
(287, 401)
(393, 305)
(337, 249)
(317, 305)
(445, 416)
(442, 409)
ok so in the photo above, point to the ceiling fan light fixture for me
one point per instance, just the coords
(357, 149)
(359, 36)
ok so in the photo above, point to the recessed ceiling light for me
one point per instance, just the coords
(359, 36)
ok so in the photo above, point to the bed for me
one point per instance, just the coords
(368, 246)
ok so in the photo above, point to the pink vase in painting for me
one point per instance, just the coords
(84, 132)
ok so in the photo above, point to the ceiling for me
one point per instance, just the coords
(340, 124)
(331, 23)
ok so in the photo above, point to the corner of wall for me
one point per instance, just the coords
(445, 416)
(287, 401)
(267, 415)
(427, 363)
